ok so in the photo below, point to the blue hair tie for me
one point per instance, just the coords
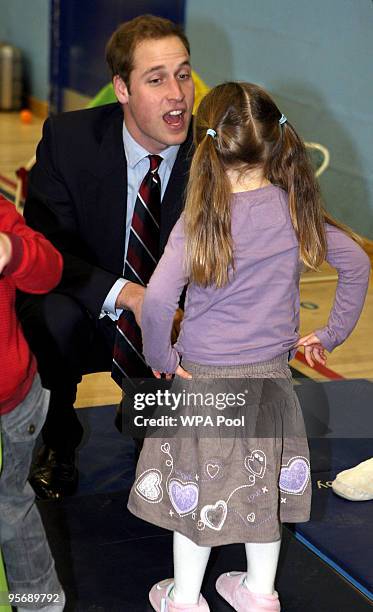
(211, 132)
(282, 120)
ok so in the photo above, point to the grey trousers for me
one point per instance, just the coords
(27, 557)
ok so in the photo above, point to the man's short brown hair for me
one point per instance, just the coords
(123, 42)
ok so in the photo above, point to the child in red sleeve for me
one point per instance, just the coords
(30, 263)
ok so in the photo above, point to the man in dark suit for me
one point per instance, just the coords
(81, 195)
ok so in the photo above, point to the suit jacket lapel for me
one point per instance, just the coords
(109, 192)
(111, 151)
(111, 173)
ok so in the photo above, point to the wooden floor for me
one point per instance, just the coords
(354, 359)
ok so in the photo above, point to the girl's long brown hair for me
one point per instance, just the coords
(248, 136)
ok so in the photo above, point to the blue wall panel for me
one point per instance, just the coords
(80, 31)
(316, 59)
(26, 25)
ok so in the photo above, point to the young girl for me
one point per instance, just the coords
(253, 217)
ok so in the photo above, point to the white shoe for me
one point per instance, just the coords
(355, 484)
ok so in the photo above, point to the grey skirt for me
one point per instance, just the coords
(225, 489)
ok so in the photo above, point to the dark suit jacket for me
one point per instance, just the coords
(77, 197)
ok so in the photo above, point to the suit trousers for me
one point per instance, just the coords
(67, 342)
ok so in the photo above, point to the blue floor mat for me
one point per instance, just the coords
(106, 457)
(107, 560)
(340, 532)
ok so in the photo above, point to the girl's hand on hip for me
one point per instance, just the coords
(178, 372)
(313, 349)
(182, 373)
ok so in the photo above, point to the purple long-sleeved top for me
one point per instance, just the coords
(255, 317)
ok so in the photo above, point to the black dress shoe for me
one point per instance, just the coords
(54, 475)
(118, 420)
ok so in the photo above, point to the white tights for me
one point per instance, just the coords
(190, 561)
(262, 560)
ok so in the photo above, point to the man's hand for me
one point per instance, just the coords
(5, 251)
(132, 297)
(179, 314)
(313, 349)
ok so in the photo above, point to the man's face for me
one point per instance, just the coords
(158, 108)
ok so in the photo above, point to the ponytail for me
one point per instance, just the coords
(239, 126)
(289, 167)
(209, 246)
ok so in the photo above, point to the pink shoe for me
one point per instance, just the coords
(159, 598)
(232, 588)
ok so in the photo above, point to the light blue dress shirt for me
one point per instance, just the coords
(137, 166)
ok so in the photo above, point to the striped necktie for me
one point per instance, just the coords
(142, 258)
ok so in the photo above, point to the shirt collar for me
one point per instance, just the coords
(135, 152)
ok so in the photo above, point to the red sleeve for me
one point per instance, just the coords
(36, 266)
